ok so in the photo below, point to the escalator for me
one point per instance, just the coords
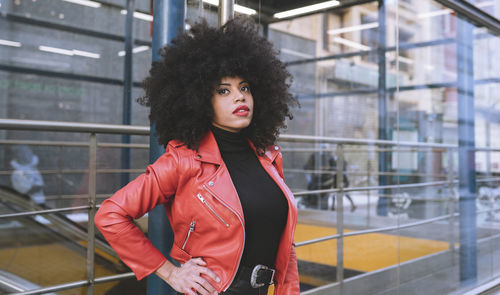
(50, 249)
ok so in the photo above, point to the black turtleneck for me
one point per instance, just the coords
(264, 205)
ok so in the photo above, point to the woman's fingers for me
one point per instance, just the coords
(209, 273)
(206, 286)
(198, 261)
(192, 277)
(204, 270)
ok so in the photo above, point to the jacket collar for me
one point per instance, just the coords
(208, 150)
(271, 152)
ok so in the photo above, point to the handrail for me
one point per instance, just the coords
(388, 228)
(74, 144)
(76, 284)
(47, 211)
(342, 140)
(378, 187)
(17, 124)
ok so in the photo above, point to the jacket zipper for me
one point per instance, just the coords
(191, 229)
(200, 197)
(244, 235)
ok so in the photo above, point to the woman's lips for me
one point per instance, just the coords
(241, 111)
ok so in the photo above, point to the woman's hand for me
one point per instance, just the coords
(187, 278)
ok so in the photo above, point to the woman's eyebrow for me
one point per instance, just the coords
(229, 84)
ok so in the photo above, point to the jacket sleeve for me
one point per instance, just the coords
(291, 284)
(115, 216)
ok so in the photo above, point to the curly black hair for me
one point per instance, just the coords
(180, 85)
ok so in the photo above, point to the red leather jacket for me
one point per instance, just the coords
(204, 211)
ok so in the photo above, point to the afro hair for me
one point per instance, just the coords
(180, 85)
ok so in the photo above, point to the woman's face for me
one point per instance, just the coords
(233, 104)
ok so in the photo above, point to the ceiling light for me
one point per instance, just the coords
(10, 43)
(307, 9)
(434, 13)
(69, 52)
(56, 50)
(351, 43)
(86, 54)
(353, 28)
(135, 50)
(85, 3)
(139, 15)
(244, 10)
(237, 8)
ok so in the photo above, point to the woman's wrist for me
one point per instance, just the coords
(165, 271)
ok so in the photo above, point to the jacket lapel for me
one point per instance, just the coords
(220, 184)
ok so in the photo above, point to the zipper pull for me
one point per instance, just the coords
(191, 226)
(201, 198)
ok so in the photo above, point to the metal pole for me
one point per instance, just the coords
(368, 207)
(168, 21)
(340, 217)
(265, 30)
(59, 175)
(127, 89)
(226, 11)
(451, 204)
(92, 210)
(382, 204)
(466, 153)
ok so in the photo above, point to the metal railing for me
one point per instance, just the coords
(94, 129)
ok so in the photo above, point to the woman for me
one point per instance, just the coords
(218, 98)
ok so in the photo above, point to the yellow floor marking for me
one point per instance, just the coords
(101, 253)
(51, 264)
(365, 252)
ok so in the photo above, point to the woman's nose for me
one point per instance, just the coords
(239, 97)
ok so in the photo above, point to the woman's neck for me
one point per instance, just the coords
(229, 141)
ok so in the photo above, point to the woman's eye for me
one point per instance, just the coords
(222, 91)
(245, 88)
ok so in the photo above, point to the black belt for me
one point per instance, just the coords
(258, 276)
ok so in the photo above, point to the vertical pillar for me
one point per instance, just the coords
(127, 89)
(466, 153)
(340, 217)
(91, 213)
(168, 21)
(226, 11)
(265, 30)
(382, 204)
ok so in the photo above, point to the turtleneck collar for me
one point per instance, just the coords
(230, 141)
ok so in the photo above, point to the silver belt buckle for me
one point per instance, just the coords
(255, 272)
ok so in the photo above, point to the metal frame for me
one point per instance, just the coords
(473, 14)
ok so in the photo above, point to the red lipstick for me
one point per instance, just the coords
(241, 111)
